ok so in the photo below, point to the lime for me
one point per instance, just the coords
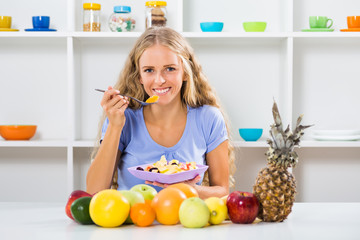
(80, 210)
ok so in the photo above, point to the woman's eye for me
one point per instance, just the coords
(170, 69)
(149, 70)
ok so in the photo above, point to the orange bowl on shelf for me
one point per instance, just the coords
(17, 132)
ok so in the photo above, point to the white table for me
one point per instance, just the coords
(340, 221)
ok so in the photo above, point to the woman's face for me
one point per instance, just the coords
(161, 73)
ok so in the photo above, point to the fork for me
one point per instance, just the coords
(139, 101)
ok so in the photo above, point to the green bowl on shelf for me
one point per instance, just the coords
(254, 26)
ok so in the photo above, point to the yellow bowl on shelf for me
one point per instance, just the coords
(17, 132)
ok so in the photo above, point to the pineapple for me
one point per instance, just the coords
(275, 186)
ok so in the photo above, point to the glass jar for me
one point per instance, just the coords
(91, 18)
(155, 13)
(121, 20)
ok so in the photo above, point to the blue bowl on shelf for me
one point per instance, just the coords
(211, 26)
(250, 134)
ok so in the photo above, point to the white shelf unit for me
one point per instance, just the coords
(241, 144)
(48, 78)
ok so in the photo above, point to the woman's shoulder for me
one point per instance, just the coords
(132, 116)
(209, 121)
(206, 116)
(129, 112)
(207, 111)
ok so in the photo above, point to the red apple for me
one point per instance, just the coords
(243, 207)
(73, 196)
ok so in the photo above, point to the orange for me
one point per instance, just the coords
(186, 188)
(166, 205)
(152, 99)
(142, 214)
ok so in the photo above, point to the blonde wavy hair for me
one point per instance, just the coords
(195, 92)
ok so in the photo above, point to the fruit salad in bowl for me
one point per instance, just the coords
(165, 167)
(168, 172)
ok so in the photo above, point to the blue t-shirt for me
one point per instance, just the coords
(205, 129)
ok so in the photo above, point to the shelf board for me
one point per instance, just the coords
(22, 34)
(303, 144)
(335, 34)
(96, 35)
(35, 143)
(312, 143)
(256, 144)
(240, 144)
(106, 34)
(84, 143)
(235, 34)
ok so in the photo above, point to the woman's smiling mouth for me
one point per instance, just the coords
(161, 91)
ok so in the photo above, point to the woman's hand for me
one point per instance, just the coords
(191, 182)
(114, 106)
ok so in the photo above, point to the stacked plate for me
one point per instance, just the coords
(336, 135)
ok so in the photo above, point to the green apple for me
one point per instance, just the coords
(194, 213)
(133, 197)
(218, 210)
(147, 191)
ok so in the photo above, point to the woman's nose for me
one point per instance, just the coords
(160, 78)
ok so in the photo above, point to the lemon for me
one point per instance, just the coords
(218, 210)
(109, 208)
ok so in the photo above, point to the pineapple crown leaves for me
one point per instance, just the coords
(281, 152)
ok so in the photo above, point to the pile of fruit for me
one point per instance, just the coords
(165, 167)
(142, 205)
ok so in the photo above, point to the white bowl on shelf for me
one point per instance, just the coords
(336, 138)
(350, 132)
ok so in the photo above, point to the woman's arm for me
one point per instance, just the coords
(100, 173)
(217, 160)
(101, 170)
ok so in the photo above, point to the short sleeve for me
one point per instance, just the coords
(214, 127)
(103, 129)
(123, 138)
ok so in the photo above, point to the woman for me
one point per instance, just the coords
(186, 123)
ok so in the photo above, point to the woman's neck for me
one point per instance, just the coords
(165, 115)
